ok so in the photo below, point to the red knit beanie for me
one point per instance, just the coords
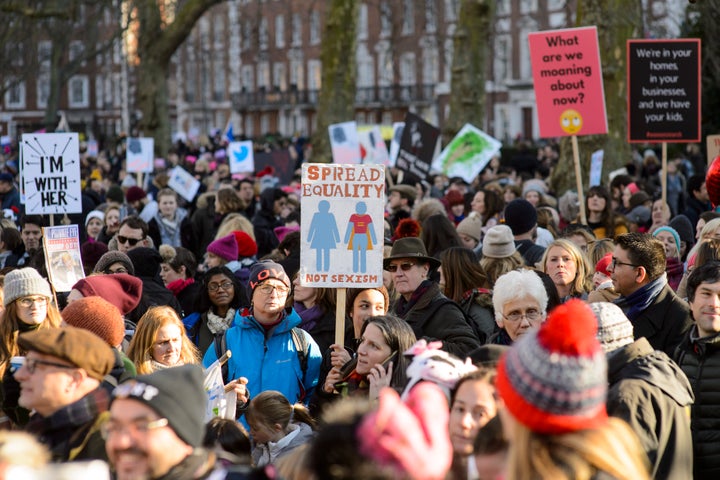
(134, 194)
(122, 290)
(246, 245)
(225, 248)
(98, 316)
(554, 380)
(603, 264)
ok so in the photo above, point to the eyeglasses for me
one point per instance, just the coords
(27, 302)
(109, 271)
(267, 289)
(531, 314)
(133, 428)
(403, 266)
(131, 241)
(213, 287)
(32, 363)
(615, 262)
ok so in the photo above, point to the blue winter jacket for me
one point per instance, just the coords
(269, 362)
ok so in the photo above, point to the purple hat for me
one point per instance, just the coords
(225, 248)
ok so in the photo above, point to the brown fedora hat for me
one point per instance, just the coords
(410, 247)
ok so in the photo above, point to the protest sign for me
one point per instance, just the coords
(140, 154)
(183, 183)
(92, 148)
(344, 142)
(467, 154)
(373, 150)
(663, 79)
(51, 173)
(342, 225)
(62, 256)
(240, 155)
(395, 141)
(417, 147)
(596, 164)
(282, 164)
(713, 147)
(568, 82)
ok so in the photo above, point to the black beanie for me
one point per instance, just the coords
(520, 216)
(176, 394)
(146, 261)
(685, 229)
(266, 270)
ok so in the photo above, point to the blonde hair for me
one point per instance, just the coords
(612, 449)
(140, 349)
(582, 282)
(10, 329)
(497, 267)
(295, 465)
(227, 201)
(233, 222)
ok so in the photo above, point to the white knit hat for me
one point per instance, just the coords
(614, 328)
(24, 282)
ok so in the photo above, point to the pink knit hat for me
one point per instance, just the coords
(225, 248)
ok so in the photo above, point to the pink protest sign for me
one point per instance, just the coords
(568, 82)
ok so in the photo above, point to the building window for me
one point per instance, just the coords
(247, 35)
(264, 123)
(314, 27)
(249, 126)
(78, 92)
(296, 30)
(248, 82)
(44, 53)
(528, 6)
(502, 58)
(451, 10)
(430, 66)
(430, 16)
(296, 74)
(408, 17)
(385, 19)
(363, 22)
(503, 7)
(385, 64)
(407, 69)
(15, 96)
(191, 81)
(314, 75)
(263, 75)
(218, 77)
(263, 34)
(280, 31)
(448, 51)
(279, 80)
(365, 68)
(43, 90)
(99, 91)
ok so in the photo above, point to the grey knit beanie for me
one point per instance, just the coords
(24, 282)
(114, 256)
(614, 329)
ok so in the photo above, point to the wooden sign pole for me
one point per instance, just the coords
(340, 318)
(578, 179)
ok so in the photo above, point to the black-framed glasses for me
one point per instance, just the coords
(132, 241)
(28, 302)
(392, 268)
(32, 363)
(615, 262)
(112, 428)
(531, 314)
(267, 289)
(213, 287)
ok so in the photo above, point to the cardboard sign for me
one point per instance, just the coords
(62, 256)
(395, 141)
(663, 90)
(373, 150)
(342, 225)
(240, 155)
(417, 147)
(51, 173)
(140, 154)
(344, 142)
(596, 164)
(183, 183)
(568, 82)
(467, 154)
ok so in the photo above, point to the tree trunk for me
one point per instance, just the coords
(617, 21)
(336, 102)
(469, 69)
(57, 80)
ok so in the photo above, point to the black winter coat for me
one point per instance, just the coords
(699, 358)
(264, 222)
(652, 394)
(664, 322)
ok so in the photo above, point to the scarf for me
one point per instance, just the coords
(217, 324)
(170, 225)
(161, 366)
(309, 316)
(635, 303)
(674, 269)
(403, 306)
(177, 286)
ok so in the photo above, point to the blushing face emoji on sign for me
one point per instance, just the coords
(571, 121)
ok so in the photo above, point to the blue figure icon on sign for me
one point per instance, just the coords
(360, 236)
(323, 235)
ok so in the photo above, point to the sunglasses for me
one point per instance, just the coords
(131, 241)
(403, 266)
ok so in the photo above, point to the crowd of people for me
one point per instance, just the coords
(507, 341)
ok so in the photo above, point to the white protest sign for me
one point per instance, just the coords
(344, 142)
(596, 164)
(395, 142)
(467, 154)
(240, 155)
(342, 225)
(183, 183)
(373, 150)
(51, 173)
(140, 154)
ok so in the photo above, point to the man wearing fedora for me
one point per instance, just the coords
(431, 314)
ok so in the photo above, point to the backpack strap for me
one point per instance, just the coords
(302, 348)
(220, 343)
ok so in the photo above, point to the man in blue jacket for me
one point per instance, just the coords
(268, 351)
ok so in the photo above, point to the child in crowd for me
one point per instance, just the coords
(604, 289)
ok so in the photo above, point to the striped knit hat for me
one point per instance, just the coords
(554, 380)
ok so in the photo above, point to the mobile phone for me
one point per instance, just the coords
(391, 358)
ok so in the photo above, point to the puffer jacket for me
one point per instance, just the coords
(652, 394)
(699, 358)
(268, 359)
